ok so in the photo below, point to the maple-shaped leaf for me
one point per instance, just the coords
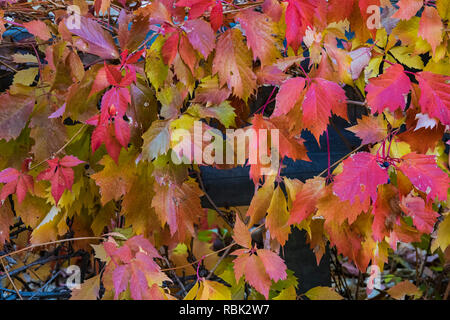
(431, 27)
(258, 30)
(323, 293)
(322, 97)
(422, 213)
(273, 9)
(89, 290)
(39, 29)
(407, 9)
(404, 288)
(259, 267)
(6, 220)
(117, 177)
(434, 95)
(60, 174)
(261, 202)
(210, 91)
(14, 114)
(286, 145)
(208, 290)
(241, 234)
(113, 132)
(170, 48)
(306, 199)
(133, 266)
(361, 176)
(339, 10)
(200, 35)
(386, 211)
(117, 97)
(334, 210)
(232, 62)
(277, 217)
(370, 129)
(216, 16)
(388, 90)
(156, 140)
(290, 92)
(299, 15)
(97, 40)
(16, 181)
(197, 7)
(425, 175)
(442, 239)
(115, 78)
(178, 206)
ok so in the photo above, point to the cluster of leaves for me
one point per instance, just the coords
(88, 135)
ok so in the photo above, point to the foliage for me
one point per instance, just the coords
(89, 135)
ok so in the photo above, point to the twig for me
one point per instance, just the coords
(10, 280)
(341, 159)
(49, 243)
(62, 148)
(8, 66)
(183, 289)
(224, 255)
(199, 260)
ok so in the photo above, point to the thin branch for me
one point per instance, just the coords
(224, 255)
(62, 148)
(10, 280)
(49, 243)
(341, 159)
(183, 289)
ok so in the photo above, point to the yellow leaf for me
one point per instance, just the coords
(406, 56)
(277, 217)
(443, 235)
(323, 293)
(208, 290)
(26, 76)
(89, 289)
(404, 288)
(24, 58)
(287, 294)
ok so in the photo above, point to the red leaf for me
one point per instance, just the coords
(360, 177)
(425, 175)
(322, 97)
(431, 27)
(422, 213)
(187, 53)
(198, 7)
(434, 95)
(39, 29)
(290, 92)
(306, 199)
(274, 265)
(216, 16)
(60, 174)
(120, 278)
(99, 41)
(170, 48)
(254, 271)
(259, 269)
(299, 15)
(16, 182)
(117, 97)
(407, 9)
(200, 35)
(388, 90)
